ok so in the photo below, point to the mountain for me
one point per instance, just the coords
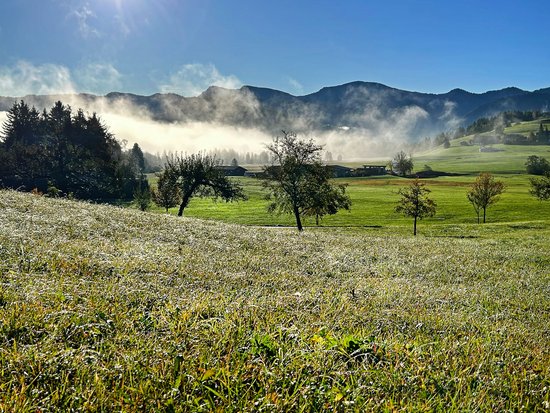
(362, 106)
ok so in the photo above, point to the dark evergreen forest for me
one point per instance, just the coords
(62, 152)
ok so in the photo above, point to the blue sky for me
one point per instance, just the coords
(182, 46)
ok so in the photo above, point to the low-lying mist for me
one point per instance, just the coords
(381, 135)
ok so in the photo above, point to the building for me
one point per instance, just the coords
(339, 171)
(370, 170)
(231, 170)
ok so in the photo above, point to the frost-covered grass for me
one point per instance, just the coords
(112, 309)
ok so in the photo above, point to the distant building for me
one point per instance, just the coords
(339, 171)
(230, 170)
(370, 170)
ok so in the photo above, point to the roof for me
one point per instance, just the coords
(339, 167)
(230, 168)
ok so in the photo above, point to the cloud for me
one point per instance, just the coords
(193, 79)
(296, 87)
(448, 116)
(98, 78)
(189, 137)
(25, 78)
(83, 15)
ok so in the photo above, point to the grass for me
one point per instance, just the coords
(374, 201)
(110, 309)
(469, 160)
(525, 127)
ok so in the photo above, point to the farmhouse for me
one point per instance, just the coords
(231, 170)
(339, 171)
(370, 170)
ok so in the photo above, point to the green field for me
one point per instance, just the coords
(525, 127)
(110, 309)
(374, 199)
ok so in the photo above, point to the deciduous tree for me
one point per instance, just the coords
(326, 198)
(484, 192)
(402, 164)
(415, 203)
(167, 194)
(537, 165)
(540, 187)
(298, 182)
(200, 175)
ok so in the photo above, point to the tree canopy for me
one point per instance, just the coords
(200, 175)
(537, 165)
(298, 182)
(485, 191)
(540, 187)
(402, 164)
(73, 152)
(415, 203)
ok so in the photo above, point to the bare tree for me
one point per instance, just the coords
(484, 192)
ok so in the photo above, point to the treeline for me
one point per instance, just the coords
(64, 152)
(155, 162)
(503, 120)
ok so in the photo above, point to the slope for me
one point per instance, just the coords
(109, 309)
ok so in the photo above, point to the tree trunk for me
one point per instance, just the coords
(184, 203)
(414, 226)
(298, 220)
(484, 210)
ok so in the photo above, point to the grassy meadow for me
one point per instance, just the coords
(374, 199)
(110, 309)
(113, 309)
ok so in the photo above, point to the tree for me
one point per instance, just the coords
(402, 164)
(74, 153)
(22, 126)
(200, 175)
(167, 194)
(298, 182)
(414, 202)
(540, 187)
(484, 192)
(325, 198)
(142, 194)
(137, 159)
(537, 165)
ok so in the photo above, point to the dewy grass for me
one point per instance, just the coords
(110, 309)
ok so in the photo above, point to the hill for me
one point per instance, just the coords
(352, 107)
(108, 309)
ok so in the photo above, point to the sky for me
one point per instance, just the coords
(298, 46)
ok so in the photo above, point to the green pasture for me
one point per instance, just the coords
(374, 201)
(469, 160)
(525, 128)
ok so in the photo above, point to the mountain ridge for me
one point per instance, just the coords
(356, 105)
